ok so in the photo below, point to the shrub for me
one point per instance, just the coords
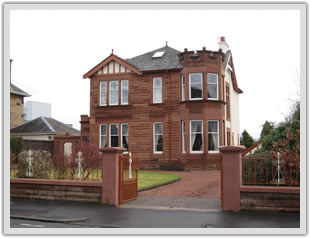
(16, 144)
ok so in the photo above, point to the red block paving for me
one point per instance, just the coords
(196, 184)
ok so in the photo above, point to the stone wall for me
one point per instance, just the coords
(16, 110)
(56, 190)
(270, 198)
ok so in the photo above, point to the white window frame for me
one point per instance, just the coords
(114, 135)
(190, 138)
(183, 87)
(110, 90)
(218, 136)
(217, 86)
(102, 135)
(124, 134)
(190, 84)
(122, 103)
(154, 136)
(106, 93)
(161, 89)
(183, 128)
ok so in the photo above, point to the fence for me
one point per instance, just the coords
(41, 165)
(270, 169)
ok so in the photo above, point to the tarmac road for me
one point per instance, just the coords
(98, 215)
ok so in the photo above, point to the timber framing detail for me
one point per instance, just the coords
(112, 65)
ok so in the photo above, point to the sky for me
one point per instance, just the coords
(52, 49)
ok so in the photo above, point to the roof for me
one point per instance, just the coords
(44, 125)
(229, 61)
(145, 62)
(18, 91)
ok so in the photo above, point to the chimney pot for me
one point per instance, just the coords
(220, 50)
(223, 38)
(185, 49)
(204, 48)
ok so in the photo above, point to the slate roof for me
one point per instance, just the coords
(145, 62)
(18, 91)
(43, 125)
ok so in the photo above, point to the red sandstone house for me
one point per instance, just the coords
(171, 109)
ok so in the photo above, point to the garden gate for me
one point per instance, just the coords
(128, 181)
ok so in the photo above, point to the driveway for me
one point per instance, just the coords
(196, 191)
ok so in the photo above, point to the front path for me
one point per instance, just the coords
(197, 190)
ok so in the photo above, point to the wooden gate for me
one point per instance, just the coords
(128, 171)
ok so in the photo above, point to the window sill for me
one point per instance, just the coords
(196, 153)
(202, 100)
(157, 104)
(119, 105)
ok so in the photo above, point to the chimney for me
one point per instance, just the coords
(223, 44)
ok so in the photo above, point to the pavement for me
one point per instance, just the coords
(174, 203)
(76, 214)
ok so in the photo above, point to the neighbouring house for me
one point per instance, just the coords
(171, 109)
(39, 133)
(35, 109)
(17, 105)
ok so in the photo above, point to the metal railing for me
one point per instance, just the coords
(42, 165)
(270, 169)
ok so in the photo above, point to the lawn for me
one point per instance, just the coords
(147, 179)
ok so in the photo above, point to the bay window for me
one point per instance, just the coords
(124, 92)
(157, 90)
(103, 93)
(103, 135)
(213, 135)
(113, 135)
(212, 86)
(113, 92)
(196, 136)
(195, 89)
(158, 137)
(124, 135)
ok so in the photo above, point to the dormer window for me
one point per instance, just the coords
(158, 54)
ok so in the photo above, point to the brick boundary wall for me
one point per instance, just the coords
(46, 189)
(39, 145)
(270, 198)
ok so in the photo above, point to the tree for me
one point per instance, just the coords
(285, 130)
(267, 129)
(246, 139)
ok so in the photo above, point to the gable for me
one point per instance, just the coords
(112, 65)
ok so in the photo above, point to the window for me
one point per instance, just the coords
(158, 137)
(183, 87)
(124, 132)
(113, 135)
(157, 90)
(103, 93)
(227, 102)
(196, 139)
(124, 95)
(195, 90)
(183, 137)
(158, 54)
(113, 93)
(212, 86)
(213, 136)
(103, 135)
